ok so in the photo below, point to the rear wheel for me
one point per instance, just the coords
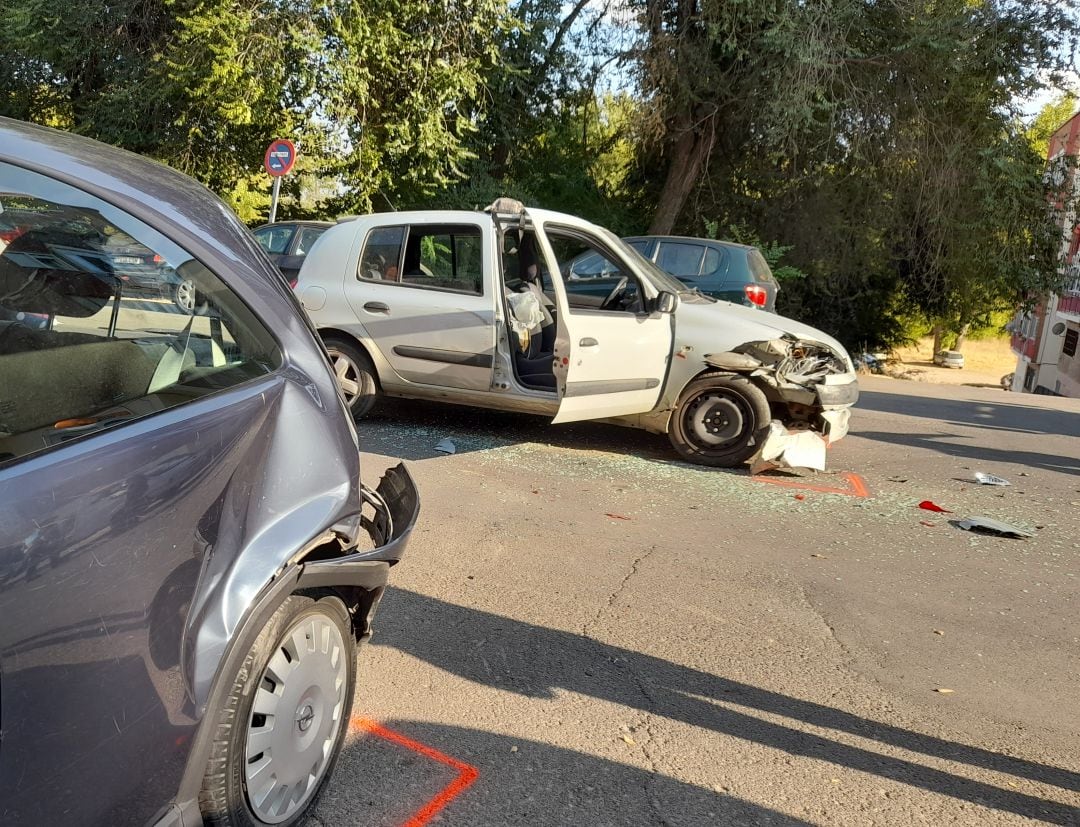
(720, 420)
(284, 719)
(355, 374)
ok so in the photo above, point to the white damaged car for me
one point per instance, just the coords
(488, 308)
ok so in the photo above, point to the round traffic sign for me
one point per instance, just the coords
(280, 157)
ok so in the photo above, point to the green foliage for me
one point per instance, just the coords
(401, 89)
(1048, 120)
(379, 97)
(771, 251)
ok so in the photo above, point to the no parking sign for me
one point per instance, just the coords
(280, 157)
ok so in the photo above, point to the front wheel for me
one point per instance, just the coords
(185, 296)
(285, 718)
(355, 375)
(720, 420)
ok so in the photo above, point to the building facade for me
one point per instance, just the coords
(1046, 340)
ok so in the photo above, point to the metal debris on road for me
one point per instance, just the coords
(990, 479)
(617, 516)
(446, 447)
(987, 525)
(941, 690)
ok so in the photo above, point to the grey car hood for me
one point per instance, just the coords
(712, 327)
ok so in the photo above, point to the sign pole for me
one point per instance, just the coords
(274, 198)
(278, 161)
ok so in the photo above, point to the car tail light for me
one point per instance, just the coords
(757, 295)
(293, 282)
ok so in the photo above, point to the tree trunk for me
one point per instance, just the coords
(939, 334)
(687, 157)
(961, 337)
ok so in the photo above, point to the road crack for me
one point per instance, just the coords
(634, 566)
(645, 725)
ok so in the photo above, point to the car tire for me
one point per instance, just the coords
(720, 420)
(301, 670)
(185, 296)
(355, 374)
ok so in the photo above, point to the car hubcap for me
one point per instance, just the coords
(717, 421)
(296, 719)
(185, 295)
(348, 375)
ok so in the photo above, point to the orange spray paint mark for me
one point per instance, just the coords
(857, 485)
(467, 773)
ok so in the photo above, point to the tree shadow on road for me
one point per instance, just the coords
(1009, 415)
(520, 781)
(966, 449)
(538, 662)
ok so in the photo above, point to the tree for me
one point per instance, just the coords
(1049, 119)
(379, 96)
(398, 89)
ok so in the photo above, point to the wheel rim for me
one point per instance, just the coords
(716, 421)
(185, 295)
(348, 375)
(296, 719)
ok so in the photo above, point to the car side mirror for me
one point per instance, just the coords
(666, 302)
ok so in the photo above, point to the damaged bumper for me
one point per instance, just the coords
(838, 391)
(389, 515)
(814, 381)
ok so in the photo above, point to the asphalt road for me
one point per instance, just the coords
(587, 632)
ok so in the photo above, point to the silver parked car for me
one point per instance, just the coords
(482, 308)
(188, 559)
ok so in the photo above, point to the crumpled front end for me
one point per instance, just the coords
(811, 387)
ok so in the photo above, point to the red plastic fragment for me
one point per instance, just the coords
(927, 505)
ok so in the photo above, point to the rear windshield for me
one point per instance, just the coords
(759, 267)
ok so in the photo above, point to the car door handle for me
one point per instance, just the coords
(589, 341)
(376, 307)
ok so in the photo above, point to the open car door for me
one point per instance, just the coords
(613, 344)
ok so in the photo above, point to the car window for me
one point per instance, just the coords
(381, 259)
(306, 238)
(602, 291)
(759, 267)
(445, 257)
(714, 260)
(103, 320)
(679, 258)
(449, 258)
(641, 245)
(275, 239)
(590, 265)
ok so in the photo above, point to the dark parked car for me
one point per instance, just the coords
(722, 269)
(287, 242)
(188, 559)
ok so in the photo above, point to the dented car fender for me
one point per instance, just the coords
(712, 336)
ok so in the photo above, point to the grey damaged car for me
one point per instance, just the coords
(188, 558)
